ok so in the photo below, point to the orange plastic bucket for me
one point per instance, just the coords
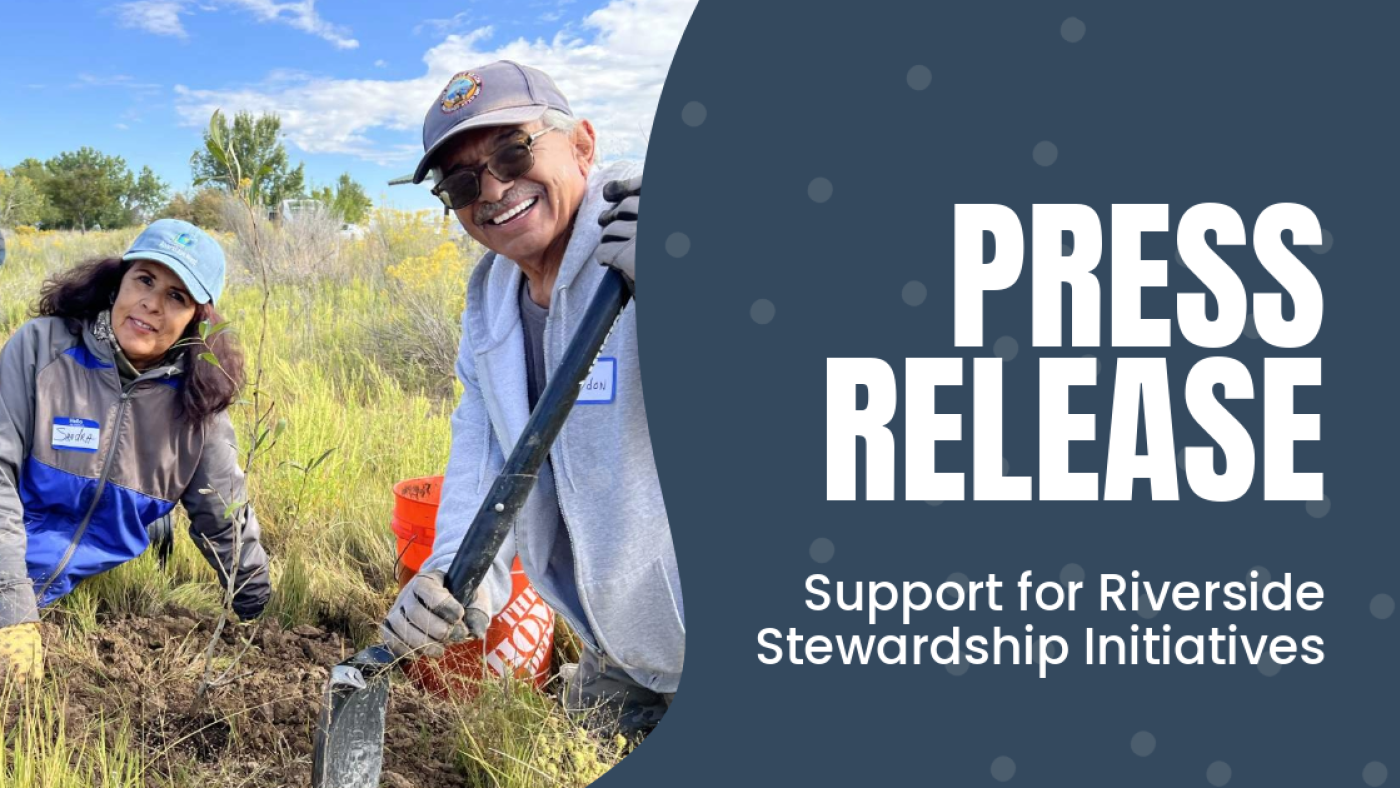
(520, 640)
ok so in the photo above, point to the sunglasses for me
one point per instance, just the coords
(509, 162)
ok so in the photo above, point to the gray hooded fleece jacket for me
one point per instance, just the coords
(606, 486)
(88, 461)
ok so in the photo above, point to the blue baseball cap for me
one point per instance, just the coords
(503, 93)
(190, 252)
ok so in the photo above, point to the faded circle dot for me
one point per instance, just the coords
(677, 244)
(1218, 773)
(1143, 743)
(919, 77)
(693, 113)
(1325, 246)
(934, 503)
(1382, 606)
(819, 190)
(1319, 509)
(1072, 30)
(1045, 153)
(959, 578)
(1098, 365)
(1268, 667)
(1374, 774)
(1147, 612)
(822, 550)
(1006, 348)
(1176, 257)
(1263, 577)
(957, 668)
(1249, 329)
(1072, 573)
(1065, 250)
(762, 311)
(1003, 769)
(1005, 467)
(914, 293)
(1181, 459)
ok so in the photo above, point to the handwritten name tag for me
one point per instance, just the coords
(601, 386)
(76, 434)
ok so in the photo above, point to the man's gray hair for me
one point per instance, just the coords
(558, 120)
(552, 118)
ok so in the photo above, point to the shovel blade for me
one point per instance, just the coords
(349, 748)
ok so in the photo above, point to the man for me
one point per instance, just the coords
(508, 156)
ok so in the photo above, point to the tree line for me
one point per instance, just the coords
(87, 189)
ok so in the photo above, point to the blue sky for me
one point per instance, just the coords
(351, 80)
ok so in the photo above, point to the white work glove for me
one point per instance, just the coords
(425, 616)
(618, 247)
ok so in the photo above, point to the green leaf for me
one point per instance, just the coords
(316, 462)
(211, 358)
(233, 507)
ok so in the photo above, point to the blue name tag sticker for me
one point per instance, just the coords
(601, 386)
(71, 434)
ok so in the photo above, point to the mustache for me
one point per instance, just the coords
(485, 212)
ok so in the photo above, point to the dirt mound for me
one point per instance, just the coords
(256, 730)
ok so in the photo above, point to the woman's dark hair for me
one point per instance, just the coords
(84, 291)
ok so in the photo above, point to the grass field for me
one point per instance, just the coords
(359, 338)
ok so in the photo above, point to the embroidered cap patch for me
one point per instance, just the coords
(461, 90)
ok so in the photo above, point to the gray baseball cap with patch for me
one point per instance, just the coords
(503, 93)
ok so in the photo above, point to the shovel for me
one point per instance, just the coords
(349, 748)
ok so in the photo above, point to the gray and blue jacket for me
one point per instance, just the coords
(88, 460)
(626, 581)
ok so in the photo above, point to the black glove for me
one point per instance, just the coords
(162, 533)
(617, 249)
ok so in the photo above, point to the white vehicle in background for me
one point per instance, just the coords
(292, 212)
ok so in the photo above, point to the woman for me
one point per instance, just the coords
(108, 417)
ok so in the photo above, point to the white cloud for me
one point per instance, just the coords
(161, 17)
(301, 15)
(122, 127)
(611, 69)
(124, 81)
(441, 27)
(381, 64)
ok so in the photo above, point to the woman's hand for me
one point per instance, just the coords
(22, 652)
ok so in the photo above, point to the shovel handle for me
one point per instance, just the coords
(502, 504)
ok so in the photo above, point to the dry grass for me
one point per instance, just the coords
(361, 336)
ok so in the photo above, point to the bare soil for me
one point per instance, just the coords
(255, 731)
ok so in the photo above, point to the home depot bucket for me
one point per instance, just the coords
(519, 640)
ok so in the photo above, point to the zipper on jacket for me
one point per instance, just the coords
(101, 480)
(521, 545)
(593, 634)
